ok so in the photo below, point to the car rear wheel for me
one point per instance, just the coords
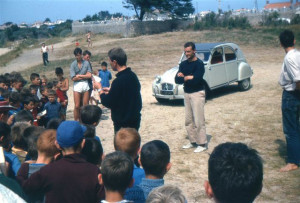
(245, 84)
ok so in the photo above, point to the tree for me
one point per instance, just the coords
(47, 20)
(178, 8)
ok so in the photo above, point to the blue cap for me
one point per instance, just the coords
(69, 133)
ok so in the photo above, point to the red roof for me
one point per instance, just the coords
(278, 5)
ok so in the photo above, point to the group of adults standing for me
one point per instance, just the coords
(124, 97)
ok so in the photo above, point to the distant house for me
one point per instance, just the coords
(280, 5)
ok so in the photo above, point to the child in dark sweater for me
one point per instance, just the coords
(72, 178)
(52, 107)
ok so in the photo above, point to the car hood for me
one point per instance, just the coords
(169, 75)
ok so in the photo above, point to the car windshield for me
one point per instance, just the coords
(202, 55)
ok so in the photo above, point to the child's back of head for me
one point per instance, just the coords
(24, 116)
(116, 170)
(4, 135)
(166, 194)
(155, 158)
(31, 135)
(46, 144)
(128, 140)
(90, 115)
(93, 151)
(235, 173)
(17, 137)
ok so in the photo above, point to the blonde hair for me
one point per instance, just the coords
(46, 143)
(127, 140)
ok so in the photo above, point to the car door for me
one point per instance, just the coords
(231, 64)
(216, 69)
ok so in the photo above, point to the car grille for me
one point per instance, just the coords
(166, 87)
(163, 92)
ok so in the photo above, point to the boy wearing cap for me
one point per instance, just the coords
(72, 178)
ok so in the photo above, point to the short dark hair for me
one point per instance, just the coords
(14, 97)
(33, 76)
(87, 52)
(59, 70)
(117, 170)
(287, 38)
(53, 123)
(155, 156)
(23, 116)
(77, 50)
(27, 100)
(17, 132)
(104, 64)
(90, 114)
(93, 151)
(5, 133)
(119, 55)
(51, 93)
(235, 173)
(190, 44)
(31, 135)
(90, 131)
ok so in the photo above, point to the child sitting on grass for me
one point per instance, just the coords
(116, 176)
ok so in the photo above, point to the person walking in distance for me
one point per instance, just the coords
(44, 51)
(190, 74)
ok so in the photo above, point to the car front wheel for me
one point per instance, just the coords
(245, 84)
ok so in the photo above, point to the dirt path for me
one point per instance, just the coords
(33, 57)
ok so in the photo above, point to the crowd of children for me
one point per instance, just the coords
(51, 159)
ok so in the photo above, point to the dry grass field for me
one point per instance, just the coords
(252, 117)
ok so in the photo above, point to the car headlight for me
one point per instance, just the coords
(156, 90)
(157, 79)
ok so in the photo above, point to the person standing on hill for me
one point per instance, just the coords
(44, 51)
(124, 97)
(190, 74)
(290, 82)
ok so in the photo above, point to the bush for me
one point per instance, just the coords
(65, 33)
(225, 20)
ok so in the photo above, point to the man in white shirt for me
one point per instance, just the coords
(44, 51)
(290, 82)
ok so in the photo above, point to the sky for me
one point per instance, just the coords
(30, 11)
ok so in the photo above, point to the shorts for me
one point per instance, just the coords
(81, 86)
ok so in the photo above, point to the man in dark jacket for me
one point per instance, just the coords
(190, 74)
(124, 97)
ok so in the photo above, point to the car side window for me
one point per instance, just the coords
(229, 54)
(217, 56)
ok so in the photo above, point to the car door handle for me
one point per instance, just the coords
(209, 68)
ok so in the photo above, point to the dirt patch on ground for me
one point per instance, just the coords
(252, 117)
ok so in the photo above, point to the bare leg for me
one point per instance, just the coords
(77, 98)
(86, 98)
